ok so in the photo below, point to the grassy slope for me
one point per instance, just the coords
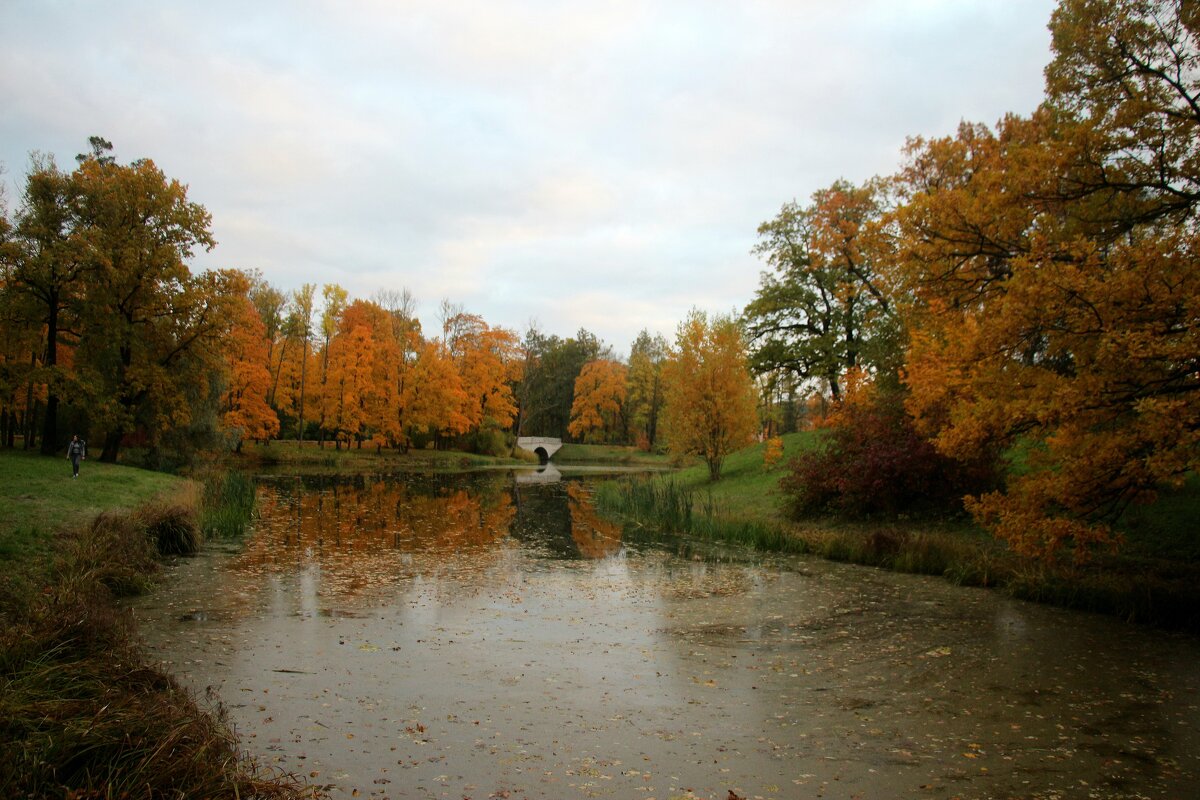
(1165, 530)
(82, 712)
(38, 497)
(747, 488)
(608, 454)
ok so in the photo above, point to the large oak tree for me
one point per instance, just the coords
(1055, 263)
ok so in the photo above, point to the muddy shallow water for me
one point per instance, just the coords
(490, 636)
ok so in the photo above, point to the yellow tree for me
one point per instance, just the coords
(645, 394)
(710, 404)
(403, 348)
(300, 326)
(597, 412)
(335, 298)
(150, 328)
(271, 305)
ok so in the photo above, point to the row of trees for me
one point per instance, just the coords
(1029, 292)
(105, 330)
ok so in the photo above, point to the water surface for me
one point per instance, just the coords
(489, 636)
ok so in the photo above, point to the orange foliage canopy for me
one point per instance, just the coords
(487, 362)
(711, 404)
(246, 410)
(1059, 300)
(599, 400)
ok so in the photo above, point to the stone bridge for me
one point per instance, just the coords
(544, 446)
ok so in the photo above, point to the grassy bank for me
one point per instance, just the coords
(609, 454)
(82, 712)
(38, 497)
(1155, 578)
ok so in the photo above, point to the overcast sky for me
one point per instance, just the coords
(582, 164)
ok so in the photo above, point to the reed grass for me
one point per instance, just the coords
(228, 506)
(672, 507)
(1159, 592)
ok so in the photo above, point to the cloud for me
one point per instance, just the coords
(596, 164)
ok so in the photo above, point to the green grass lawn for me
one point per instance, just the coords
(38, 497)
(747, 488)
(608, 454)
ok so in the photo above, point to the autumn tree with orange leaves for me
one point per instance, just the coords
(486, 358)
(710, 403)
(1054, 262)
(597, 413)
(247, 413)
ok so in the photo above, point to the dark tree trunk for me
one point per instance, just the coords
(112, 445)
(50, 426)
(50, 423)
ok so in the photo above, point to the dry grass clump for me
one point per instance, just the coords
(82, 714)
(173, 524)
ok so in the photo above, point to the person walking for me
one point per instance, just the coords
(76, 450)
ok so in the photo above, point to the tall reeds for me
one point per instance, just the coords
(228, 504)
(664, 504)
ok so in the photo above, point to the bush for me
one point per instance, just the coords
(493, 442)
(872, 461)
(173, 528)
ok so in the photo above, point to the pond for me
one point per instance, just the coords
(488, 635)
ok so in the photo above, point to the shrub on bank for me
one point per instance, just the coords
(872, 461)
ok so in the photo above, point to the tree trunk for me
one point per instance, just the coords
(31, 427)
(714, 469)
(835, 390)
(112, 445)
(50, 423)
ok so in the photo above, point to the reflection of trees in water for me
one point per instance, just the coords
(366, 531)
(594, 536)
(560, 519)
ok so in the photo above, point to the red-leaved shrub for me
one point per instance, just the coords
(871, 461)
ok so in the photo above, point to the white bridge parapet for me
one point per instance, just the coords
(544, 446)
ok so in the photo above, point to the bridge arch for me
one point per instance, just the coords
(543, 446)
